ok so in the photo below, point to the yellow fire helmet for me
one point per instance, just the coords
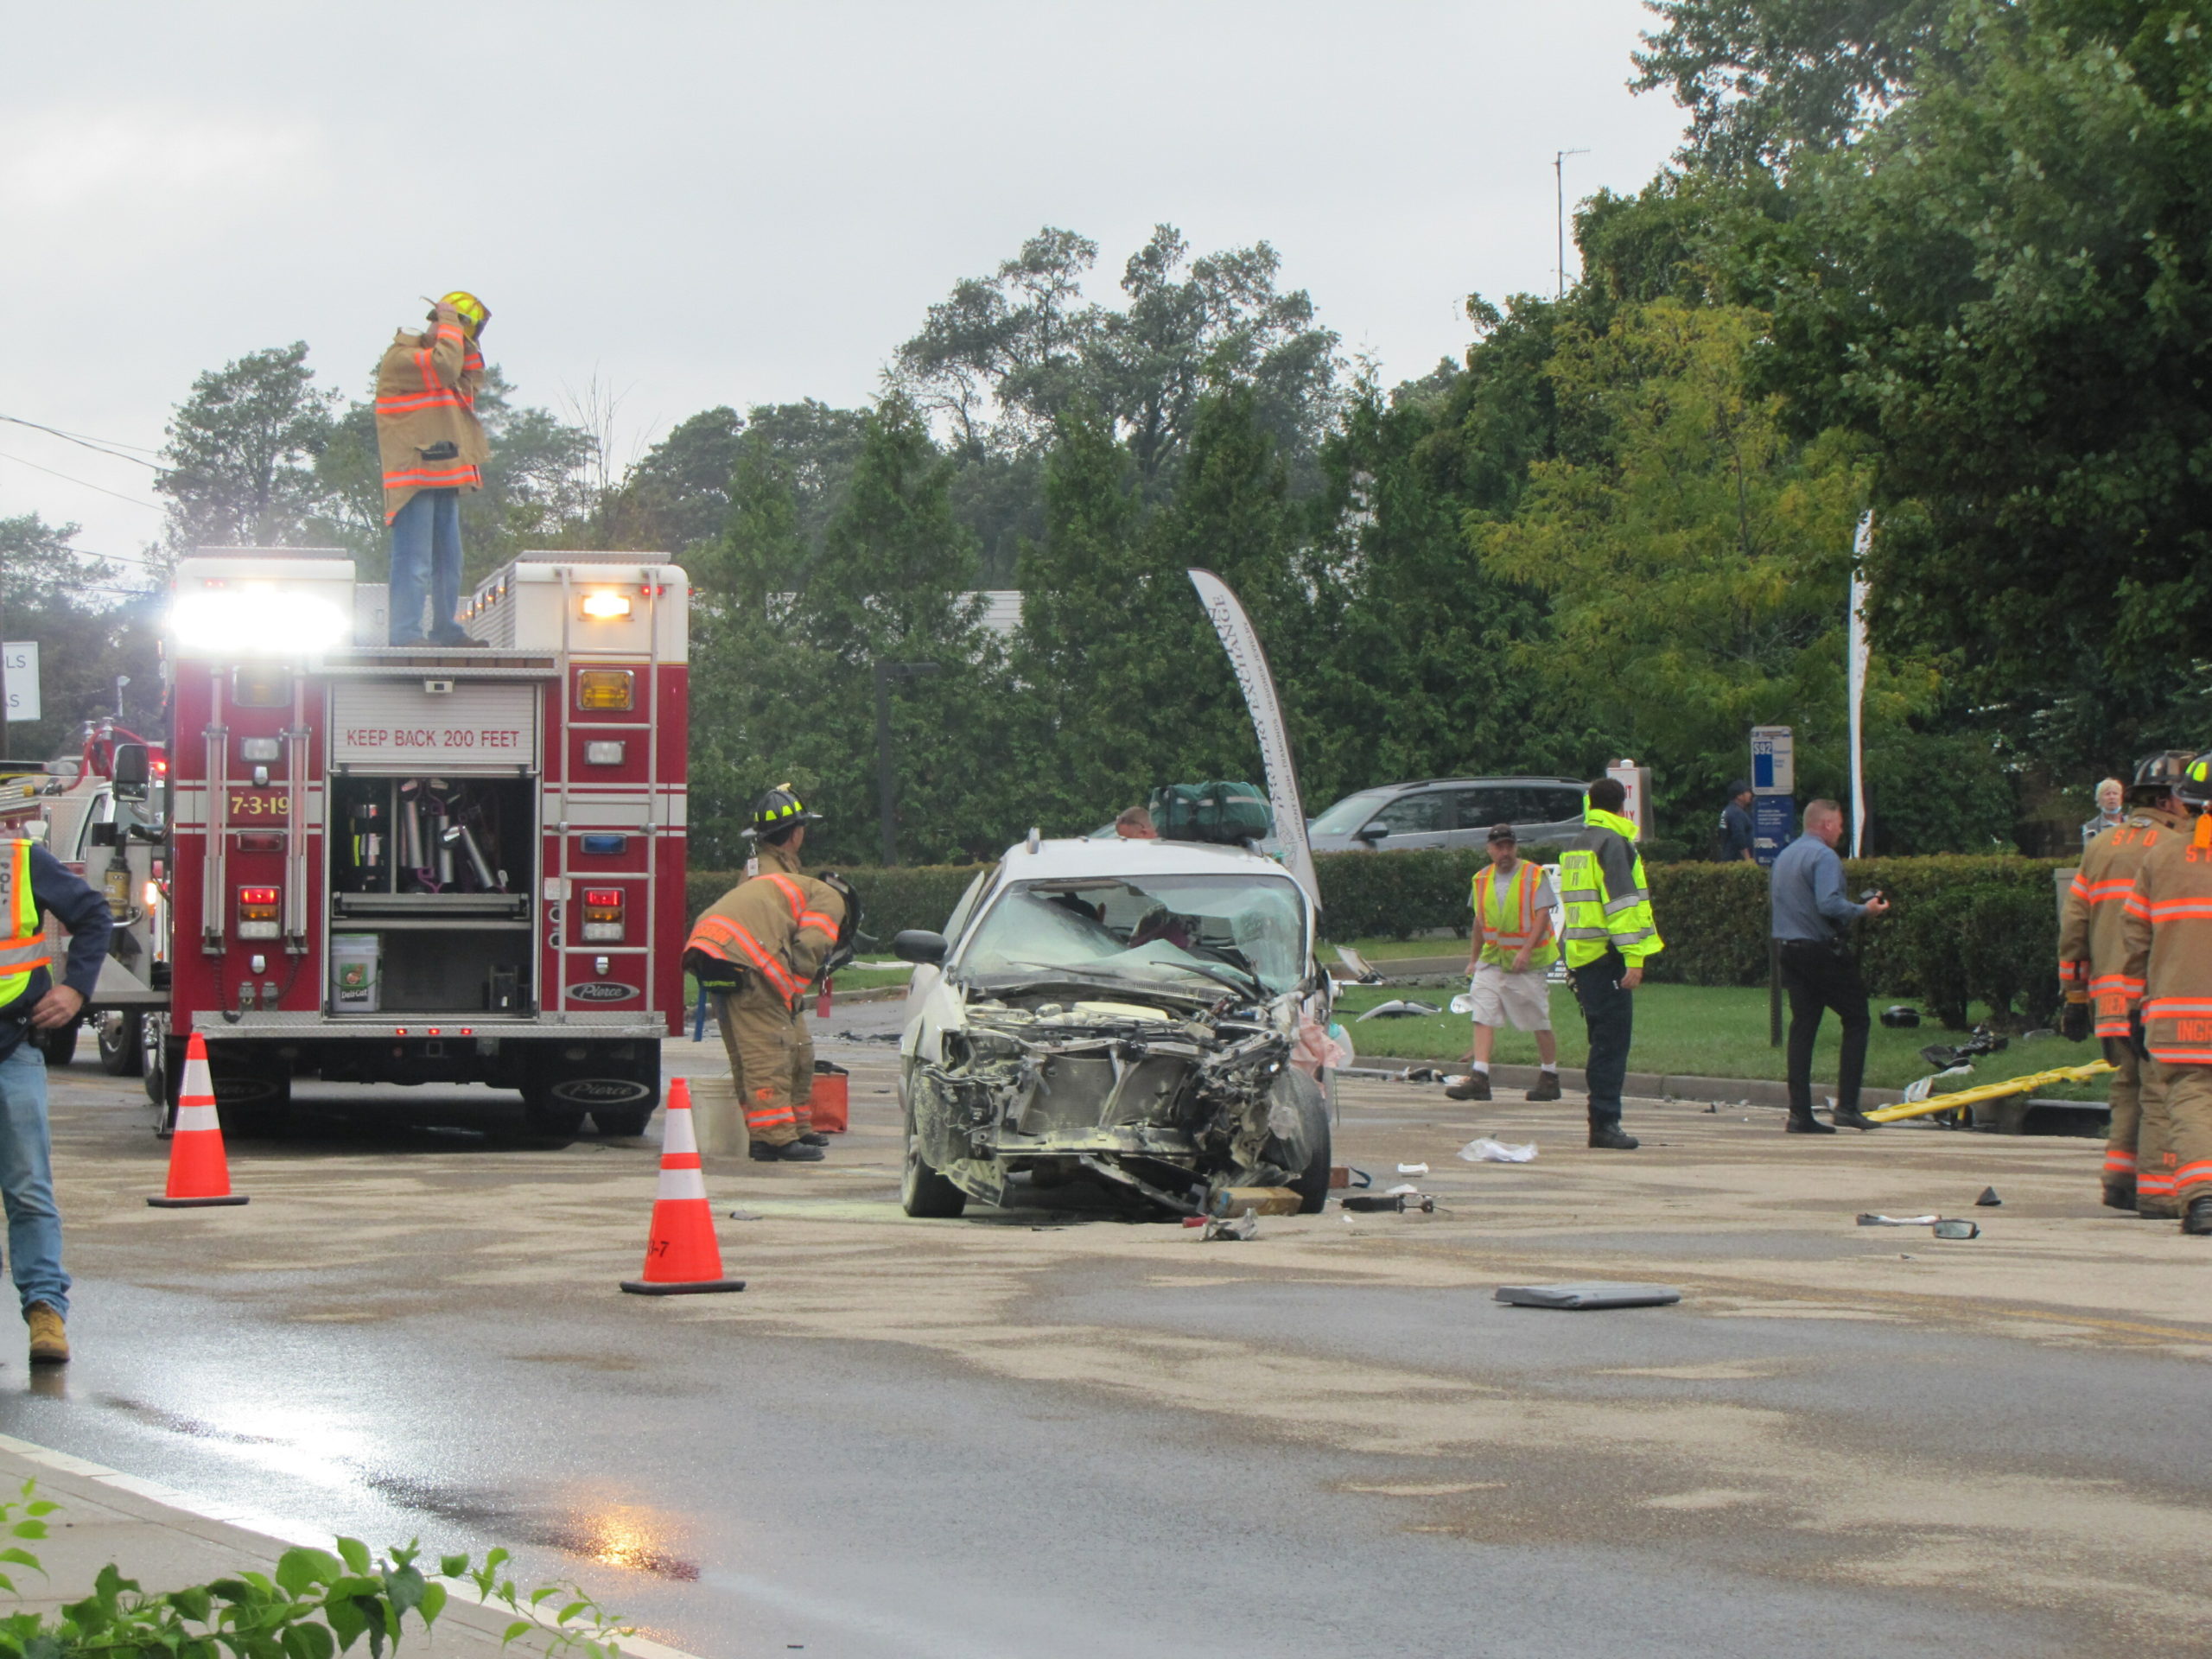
(474, 313)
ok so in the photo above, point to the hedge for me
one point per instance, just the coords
(1963, 929)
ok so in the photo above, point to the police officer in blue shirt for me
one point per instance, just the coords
(1811, 921)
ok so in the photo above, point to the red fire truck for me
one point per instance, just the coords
(428, 865)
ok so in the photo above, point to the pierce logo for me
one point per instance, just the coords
(602, 990)
(600, 1091)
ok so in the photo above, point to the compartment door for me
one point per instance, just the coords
(401, 726)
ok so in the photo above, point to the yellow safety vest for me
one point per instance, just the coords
(1508, 914)
(23, 945)
(1594, 919)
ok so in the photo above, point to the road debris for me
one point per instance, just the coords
(1244, 1226)
(1413, 1169)
(1394, 1201)
(1869, 1220)
(1988, 1200)
(1956, 1229)
(1263, 1200)
(1596, 1293)
(1397, 1009)
(1484, 1150)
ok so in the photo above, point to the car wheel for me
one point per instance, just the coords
(154, 1064)
(1311, 1183)
(122, 1040)
(923, 1192)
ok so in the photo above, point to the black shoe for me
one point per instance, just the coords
(1807, 1125)
(2199, 1218)
(2120, 1194)
(1474, 1086)
(812, 1139)
(791, 1152)
(1547, 1087)
(1852, 1120)
(1612, 1139)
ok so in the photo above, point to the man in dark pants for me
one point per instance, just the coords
(1811, 919)
(1608, 932)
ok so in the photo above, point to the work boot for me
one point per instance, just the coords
(813, 1138)
(1846, 1117)
(2119, 1193)
(50, 1341)
(790, 1151)
(1474, 1086)
(1547, 1087)
(1807, 1125)
(1610, 1138)
(2198, 1220)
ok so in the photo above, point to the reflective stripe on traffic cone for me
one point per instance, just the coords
(682, 1257)
(199, 1176)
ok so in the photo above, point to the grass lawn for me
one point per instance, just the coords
(1421, 944)
(848, 979)
(1700, 1032)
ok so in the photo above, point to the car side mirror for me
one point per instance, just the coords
(107, 834)
(918, 944)
(1374, 831)
(130, 769)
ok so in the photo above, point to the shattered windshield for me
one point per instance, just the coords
(1245, 933)
(1351, 813)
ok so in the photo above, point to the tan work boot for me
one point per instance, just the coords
(49, 1338)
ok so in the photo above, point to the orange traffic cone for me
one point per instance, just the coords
(682, 1258)
(199, 1176)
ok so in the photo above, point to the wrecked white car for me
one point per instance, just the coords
(1124, 1013)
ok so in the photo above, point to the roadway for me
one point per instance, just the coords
(1060, 1432)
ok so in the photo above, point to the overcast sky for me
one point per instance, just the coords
(702, 204)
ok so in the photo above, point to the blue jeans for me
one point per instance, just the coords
(27, 1182)
(426, 551)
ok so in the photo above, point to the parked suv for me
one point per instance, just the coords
(1450, 812)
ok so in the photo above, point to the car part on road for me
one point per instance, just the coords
(682, 1257)
(1398, 1009)
(1988, 1200)
(1596, 1293)
(1484, 1150)
(1246, 1226)
(1956, 1229)
(1399, 1202)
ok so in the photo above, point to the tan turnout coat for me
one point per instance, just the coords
(426, 396)
(2091, 943)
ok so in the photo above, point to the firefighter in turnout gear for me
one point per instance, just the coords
(432, 448)
(754, 952)
(2168, 933)
(2092, 963)
(1609, 932)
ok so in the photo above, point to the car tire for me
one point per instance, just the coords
(548, 1118)
(924, 1193)
(123, 1043)
(621, 1119)
(1312, 1184)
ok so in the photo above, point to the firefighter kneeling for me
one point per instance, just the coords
(2168, 964)
(755, 952)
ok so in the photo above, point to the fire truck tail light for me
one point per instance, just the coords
(605, 688)
(602, 915)
(258, 912)
(606, 605)
(603, 755)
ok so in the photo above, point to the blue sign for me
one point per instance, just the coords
(1774, 826)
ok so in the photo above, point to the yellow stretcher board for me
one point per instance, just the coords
(2019, 1086)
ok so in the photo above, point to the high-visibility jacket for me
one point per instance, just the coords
(2092, 926)
(426, 397)
(1511, 915)
(779, 926)
(22, 940)
(2168, 932)
(1602, 897)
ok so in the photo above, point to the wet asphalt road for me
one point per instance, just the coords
(879, 1450)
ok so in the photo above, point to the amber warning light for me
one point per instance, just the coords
(258, 912)
(602, 915)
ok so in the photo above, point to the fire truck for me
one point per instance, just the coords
(422, 865)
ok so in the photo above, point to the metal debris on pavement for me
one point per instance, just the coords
(1596, 1293)
(1244, 1226)
(1988, 1200)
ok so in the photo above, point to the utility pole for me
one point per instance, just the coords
(1559, 183)
(885, 673)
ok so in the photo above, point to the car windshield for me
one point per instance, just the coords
(1243, 933)
(1349, 814)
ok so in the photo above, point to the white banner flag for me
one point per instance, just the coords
(1855, 680)
(1258, 684)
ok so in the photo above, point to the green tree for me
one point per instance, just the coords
(677, 498)
(91, 625)
(241, 453)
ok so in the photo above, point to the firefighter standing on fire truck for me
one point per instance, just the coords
(2168, 964)
(2092, 972)
(432, 448)
(755, 951)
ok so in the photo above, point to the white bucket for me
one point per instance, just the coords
(355, 984)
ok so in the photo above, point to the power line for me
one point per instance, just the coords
(66, 479)
(99, 445)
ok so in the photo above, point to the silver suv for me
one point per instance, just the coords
(1450, 812)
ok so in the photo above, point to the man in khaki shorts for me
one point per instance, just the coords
(1510, 948)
